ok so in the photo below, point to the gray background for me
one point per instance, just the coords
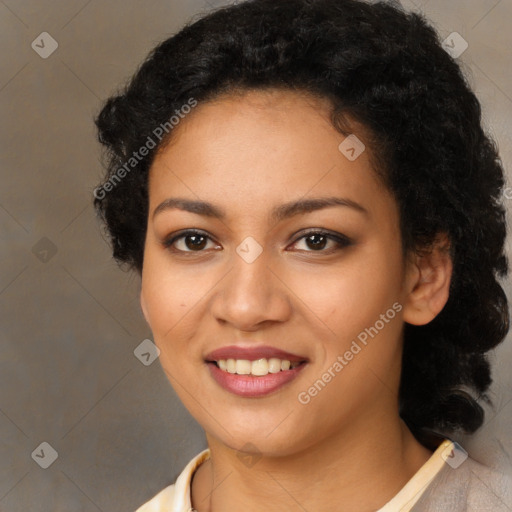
(70, 318)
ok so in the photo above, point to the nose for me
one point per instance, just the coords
(251, 295)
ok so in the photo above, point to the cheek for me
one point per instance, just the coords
(171, 295)
(361, 308)
(352, 296)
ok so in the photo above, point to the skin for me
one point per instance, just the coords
(247, 154)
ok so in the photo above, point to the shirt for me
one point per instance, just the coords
(449, 481)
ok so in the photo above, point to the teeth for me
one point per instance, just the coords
(243, 367)
(274, 365)
(258, 368)
(231, 366)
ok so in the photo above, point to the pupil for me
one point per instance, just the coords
(316, 244)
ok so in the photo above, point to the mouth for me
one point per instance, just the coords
(256, 361)
(253, 371)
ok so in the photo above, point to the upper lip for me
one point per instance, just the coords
(252, 353)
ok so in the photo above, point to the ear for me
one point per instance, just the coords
(427, 281)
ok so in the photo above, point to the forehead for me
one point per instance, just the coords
(258, 147)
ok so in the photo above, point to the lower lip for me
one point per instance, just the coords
(250, 386)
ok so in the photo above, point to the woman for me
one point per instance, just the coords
(308, 195)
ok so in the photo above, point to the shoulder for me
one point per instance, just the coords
(468, 486)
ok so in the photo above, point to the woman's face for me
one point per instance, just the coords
(255, 282)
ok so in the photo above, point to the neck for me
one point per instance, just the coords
(361, 470)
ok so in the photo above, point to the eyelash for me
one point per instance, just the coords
(342, 240)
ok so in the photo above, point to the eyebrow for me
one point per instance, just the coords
(278, 214)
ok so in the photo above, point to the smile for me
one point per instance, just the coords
(253, 371)
(253, 385)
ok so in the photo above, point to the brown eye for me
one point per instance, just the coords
(189, 241)
(196, 242)
(316, 241)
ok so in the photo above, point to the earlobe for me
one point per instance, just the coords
(428, 283)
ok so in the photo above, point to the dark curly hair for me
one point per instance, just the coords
(386, 69)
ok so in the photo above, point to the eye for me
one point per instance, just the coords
(318, 239)
(192, 241)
